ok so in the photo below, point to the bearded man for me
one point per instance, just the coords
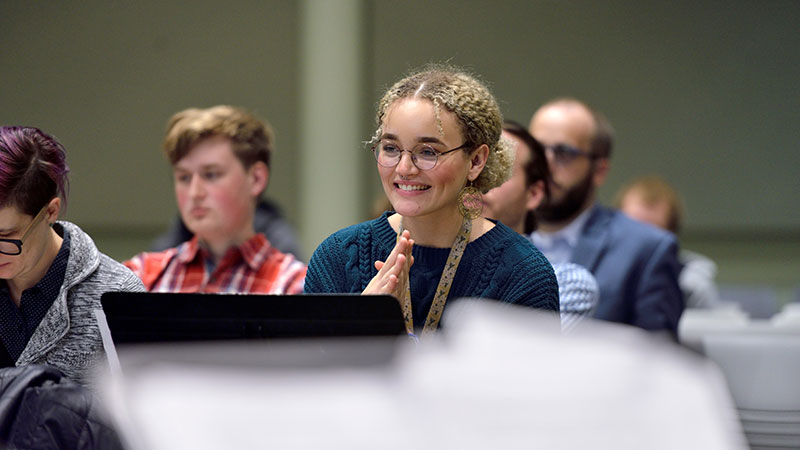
(636, 265)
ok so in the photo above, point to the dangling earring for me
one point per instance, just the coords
(470, 201)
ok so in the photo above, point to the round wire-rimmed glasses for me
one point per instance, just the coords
(13, 247)
(423, 156)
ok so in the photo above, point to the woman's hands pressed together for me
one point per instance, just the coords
(393, 273)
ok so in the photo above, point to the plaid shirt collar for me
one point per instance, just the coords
(253, 251)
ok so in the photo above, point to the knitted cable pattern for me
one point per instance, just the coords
(500, 265)
(366, 259)
(530, 287)
(484, 276)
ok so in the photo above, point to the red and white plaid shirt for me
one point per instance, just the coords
(253, 267)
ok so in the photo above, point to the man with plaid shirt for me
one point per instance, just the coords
(220, 159)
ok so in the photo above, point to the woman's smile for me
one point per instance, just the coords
(406, 187)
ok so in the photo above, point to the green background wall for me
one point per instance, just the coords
(703, 93)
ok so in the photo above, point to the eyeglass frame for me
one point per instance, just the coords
(563, 154)
(19, 242)
(413, 157)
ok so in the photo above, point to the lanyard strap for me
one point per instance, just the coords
(445, 282)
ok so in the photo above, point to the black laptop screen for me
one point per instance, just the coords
(135, 317)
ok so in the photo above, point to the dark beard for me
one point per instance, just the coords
(569, 206)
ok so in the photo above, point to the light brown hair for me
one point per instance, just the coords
(252, 138)
(655, 190)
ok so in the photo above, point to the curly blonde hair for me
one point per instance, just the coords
(475, 107)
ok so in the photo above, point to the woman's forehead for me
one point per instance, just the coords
(418, 117)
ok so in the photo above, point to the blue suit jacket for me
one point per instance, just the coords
(636, 266)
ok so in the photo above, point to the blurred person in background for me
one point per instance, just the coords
(513, 203)
(636, 266)
(652, 200)
(220, 163)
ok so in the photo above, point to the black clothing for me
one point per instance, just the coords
(41, 409)
(5, 358)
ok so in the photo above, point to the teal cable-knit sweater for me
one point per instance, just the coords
(500, 265)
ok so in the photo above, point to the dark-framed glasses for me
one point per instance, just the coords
(564, 154)
(13, 247)
(423, 156)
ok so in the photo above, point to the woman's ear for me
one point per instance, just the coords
(258, 174)
(477, 161)
(53, 210)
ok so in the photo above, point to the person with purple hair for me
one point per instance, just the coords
(51, 273)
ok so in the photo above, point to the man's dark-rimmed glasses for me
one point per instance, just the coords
(563, 154)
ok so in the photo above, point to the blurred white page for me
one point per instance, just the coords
(499, 377)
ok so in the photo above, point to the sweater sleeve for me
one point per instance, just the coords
(120, 277)
(532, 282)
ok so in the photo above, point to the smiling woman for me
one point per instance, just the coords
(51, 274)
(437, 149)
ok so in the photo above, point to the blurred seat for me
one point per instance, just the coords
(763, 374)
(759, 301)
(697, 322)
(788, 317)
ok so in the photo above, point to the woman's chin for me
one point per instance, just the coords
(406, 209)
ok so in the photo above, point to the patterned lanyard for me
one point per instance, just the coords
(443, 289)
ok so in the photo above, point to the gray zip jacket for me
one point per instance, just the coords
(68, 336)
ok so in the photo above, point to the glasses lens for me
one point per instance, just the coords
(387, 154)
(425, 157)
(565, 154)
(9, 248)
